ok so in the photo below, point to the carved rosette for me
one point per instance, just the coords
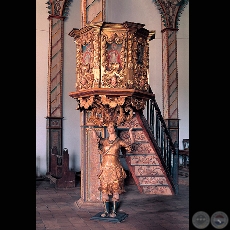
(112, 62)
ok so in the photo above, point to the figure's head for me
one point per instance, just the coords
(114, 80)
(111, 128)
(114, 46)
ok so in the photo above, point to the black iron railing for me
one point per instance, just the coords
(161, 138)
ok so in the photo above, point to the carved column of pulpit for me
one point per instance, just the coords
(112, 67)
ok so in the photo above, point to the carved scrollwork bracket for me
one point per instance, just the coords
(105, 109)
(108, 106)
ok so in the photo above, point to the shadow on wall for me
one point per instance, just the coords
(38, 169)
(73, 161)
(41, 167)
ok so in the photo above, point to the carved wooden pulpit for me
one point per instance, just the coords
(112, 68)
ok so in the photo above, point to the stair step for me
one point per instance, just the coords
(138, 135)
(149, 170)
(149, 180)
(144, 159)
(142, 147)
(157, 190)
(144, 162)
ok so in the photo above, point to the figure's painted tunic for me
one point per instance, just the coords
(112, 174)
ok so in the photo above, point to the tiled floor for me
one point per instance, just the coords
(57, 209)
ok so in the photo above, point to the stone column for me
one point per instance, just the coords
(170, 11)
(57, 10)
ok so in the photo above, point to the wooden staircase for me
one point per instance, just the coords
(144, 162)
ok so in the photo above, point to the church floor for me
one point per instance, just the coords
(57, 209)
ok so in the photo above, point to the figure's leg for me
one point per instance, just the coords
(115, 200)
(105, 200)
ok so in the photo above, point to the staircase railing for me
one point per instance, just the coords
(161, 138)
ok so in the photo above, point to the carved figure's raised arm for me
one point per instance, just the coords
(131, 135)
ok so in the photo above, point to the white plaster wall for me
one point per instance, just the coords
(71, 121)
(117, 11)
(42, 42)
(183, 75)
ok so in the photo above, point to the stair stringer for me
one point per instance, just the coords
(144, 163)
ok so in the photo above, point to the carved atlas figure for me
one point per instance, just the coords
(112, 174)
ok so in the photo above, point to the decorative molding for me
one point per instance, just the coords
(58, 7)
(170, 11)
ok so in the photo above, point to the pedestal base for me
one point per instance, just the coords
(118, 218)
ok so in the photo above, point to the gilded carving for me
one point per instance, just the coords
(111, 56)
(113, 60)
(86, 102)
(112, 101)
(138, 103)
(102, 115)
(85, 61)
(141, 55)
